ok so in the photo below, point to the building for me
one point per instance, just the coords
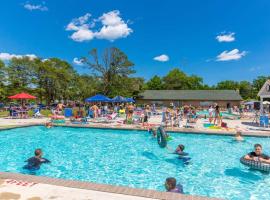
(264, 95)
(202, 98)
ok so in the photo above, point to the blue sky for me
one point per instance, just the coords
(217, 40)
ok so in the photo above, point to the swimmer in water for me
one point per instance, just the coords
(48, 124)
(153, 132)
(171, 186)
(35, 162)
(180, 149)
(238, 135)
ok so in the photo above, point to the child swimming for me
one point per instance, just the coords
(35, 162)
(171, 186)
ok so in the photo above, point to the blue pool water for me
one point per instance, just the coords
(133, 158)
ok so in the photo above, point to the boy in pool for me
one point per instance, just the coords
(171, 186)
(257, 155)
(180, 149)
(34, 163)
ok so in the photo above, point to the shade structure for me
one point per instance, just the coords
(119, 99)
(98, 98)
(130, 100)
(22, 96)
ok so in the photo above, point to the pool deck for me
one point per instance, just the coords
(19, 186)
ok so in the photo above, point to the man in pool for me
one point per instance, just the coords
(34, 163)
(171, 186)
(257, 155)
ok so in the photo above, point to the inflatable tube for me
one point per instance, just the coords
(169, 138)
(58, 117)
(161, 137)
(255, 164)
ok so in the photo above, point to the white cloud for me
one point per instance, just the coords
(32, 7)
(112, 27)
(77, 61)
(234, 54)
(7, 56)
(162, 58)
(81, 27)
(226, 37)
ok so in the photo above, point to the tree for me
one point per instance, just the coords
(113, 66)
(178, 80)
(155, 83)
(227, 85)
(246, 90)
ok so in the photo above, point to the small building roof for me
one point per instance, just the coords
(205, 95)
(265, 90)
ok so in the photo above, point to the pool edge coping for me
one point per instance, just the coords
(123, 190)
(180, 130)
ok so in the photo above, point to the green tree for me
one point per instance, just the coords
(113, 66)
(155, 83)
(227, 85)
(246, 90)
(178, 80)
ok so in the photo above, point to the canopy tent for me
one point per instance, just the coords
(130, 100)
(251, 102)
(98, 98)
(119, 99)
(22, 96)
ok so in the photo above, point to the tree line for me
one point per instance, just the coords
(112, 73)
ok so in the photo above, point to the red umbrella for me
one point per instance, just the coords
(22, 96)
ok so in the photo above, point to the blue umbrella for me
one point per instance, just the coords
(98, 98)
(130, 100)
(119, 99)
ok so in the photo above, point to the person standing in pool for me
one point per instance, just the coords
(257, 155)
(171, 186)
(35, 162)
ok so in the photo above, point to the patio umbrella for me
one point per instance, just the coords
(22, 96)
(98, 98)
(119, 99)
(130, 100)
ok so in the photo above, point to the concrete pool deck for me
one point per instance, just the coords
(19, 186)
(26, 187)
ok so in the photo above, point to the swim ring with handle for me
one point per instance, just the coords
(161, 137)
(255, 164)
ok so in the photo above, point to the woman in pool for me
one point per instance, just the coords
(35, 162)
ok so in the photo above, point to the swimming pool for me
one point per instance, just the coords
(133, 158)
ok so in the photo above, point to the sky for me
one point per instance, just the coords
(217, 40)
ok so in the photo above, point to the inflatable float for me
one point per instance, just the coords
(255, 164)
(161, 137)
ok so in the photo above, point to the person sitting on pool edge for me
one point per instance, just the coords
(34, 163)
(171, 186)
(257, 155)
